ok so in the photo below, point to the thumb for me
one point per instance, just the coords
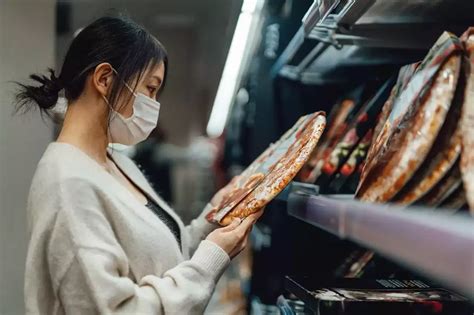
(235, 223)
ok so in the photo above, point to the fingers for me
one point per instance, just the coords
(247, 223)
(243, 226)
(255, 216)
(235, 223)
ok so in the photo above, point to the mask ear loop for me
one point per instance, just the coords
(112, 114)
(107, 101)
(128, 87)
(126, 84)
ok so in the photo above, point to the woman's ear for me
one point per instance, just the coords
(102, 78)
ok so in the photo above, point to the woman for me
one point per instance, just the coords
(102, 241)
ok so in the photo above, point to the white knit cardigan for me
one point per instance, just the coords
(95, 249)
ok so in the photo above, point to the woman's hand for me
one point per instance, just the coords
(234, 237)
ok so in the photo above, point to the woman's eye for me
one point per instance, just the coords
(152, 89)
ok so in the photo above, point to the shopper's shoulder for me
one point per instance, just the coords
(62, 164)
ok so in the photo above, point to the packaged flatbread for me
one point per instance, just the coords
(444, 153)
(414, 122)
(336, 124)
(442, 190)
(350, 167)
(241, 185)
(455, 201)
(344, 114)
(347, 110)
(381, 131)
(467, 122)
(279, 164)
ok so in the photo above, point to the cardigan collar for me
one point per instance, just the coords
(130, 170)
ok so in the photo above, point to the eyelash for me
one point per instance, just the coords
(152, 89)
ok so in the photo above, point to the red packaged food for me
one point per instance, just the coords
(363, 122)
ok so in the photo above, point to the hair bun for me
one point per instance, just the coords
(51, 84)
(46, 95)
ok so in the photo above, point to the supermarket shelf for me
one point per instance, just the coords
(434, 243)
(412, 26)
(290, 51)
(323, 14)
(331, 14)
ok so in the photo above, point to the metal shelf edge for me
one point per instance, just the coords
(438, 245)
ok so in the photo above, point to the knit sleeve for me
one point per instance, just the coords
(199, 228)
(98, 278)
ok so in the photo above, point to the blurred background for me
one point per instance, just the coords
(241, 72)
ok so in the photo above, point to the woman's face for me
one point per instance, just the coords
(149, 85)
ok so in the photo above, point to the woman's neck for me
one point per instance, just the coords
(85, 126)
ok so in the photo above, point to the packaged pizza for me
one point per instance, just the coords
(354, 161)
(455, 201)
(348, 109)
(414, 122)
(336, 123)
(337, 117)
(444, 153)
(241, 185)
(353, 181)
(442, 190)
(379, 137)
(364, 121)
(467, 122)
(277, 166)
(352, 103)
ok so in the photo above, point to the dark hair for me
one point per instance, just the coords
(127, 46)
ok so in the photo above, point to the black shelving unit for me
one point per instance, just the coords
(375, 32)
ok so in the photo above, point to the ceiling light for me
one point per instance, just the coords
(233, 67)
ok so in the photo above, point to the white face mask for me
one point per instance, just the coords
(137, 127)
